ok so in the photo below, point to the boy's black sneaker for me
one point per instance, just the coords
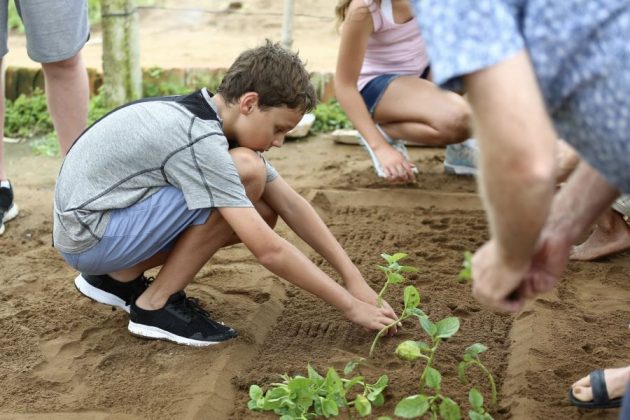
(181, 321)
(104, 289)
(8, 209)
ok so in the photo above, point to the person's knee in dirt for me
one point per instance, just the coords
(600, 389)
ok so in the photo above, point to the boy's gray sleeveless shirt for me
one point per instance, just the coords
(135, 150)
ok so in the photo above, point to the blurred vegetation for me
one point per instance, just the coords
(328, 117)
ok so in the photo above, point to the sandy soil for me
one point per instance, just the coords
(198, 33)
(64, 357)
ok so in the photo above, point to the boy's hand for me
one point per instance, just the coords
(370, 317)
(366, 294)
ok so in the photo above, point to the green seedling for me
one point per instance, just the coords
(437, 403)
(471, 358)
(476, 402)
(465, 275)
(315, 395)
(393, 272)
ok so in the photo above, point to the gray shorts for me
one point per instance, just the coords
(55, 29)
(137, 233)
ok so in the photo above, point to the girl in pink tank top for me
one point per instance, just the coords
(382, 83)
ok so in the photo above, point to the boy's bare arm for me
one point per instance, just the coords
(304, 220)
(286, 261)
(516, 142)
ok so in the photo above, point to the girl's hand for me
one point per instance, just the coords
(396, 167)
(370, 317)
(366, 294)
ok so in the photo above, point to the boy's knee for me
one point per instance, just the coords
(63, 65)
(252, 171)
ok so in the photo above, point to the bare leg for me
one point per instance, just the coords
(611, 235)
(68, 95)
(416, 110)
(616, 381)
(3, 174)
(567, 160)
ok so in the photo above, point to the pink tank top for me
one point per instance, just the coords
(392, 47)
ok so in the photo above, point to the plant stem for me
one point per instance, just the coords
(436, 343)
(381, 332)
(493, 386)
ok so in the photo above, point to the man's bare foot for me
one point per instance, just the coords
(616, 381)
(611, 235)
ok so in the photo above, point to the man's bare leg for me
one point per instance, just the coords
(610, 235)
(68, 93)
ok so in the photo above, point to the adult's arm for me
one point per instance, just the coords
(516, 142)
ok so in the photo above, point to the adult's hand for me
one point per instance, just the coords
(495, 282)
(548, 264)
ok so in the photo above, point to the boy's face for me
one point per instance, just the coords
(260, 130)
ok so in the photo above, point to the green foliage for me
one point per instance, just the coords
(301, 397)
(27, 116)
(152, 85)
(328, 117)
(465, 275)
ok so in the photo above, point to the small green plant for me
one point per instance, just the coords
(328, 117)
(394, 274)
(476, 402)
(471, 358)
(301, 397)
(419, 404)
(465, 275)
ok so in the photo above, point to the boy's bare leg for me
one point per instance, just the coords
(199, 243)
(68, 95)
(3, 174)
(611, 235)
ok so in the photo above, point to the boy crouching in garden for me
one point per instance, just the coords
(168, 181)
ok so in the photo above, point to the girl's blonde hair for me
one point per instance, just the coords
(342, 8)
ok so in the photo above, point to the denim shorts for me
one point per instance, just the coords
(135, 234)
(373, 91)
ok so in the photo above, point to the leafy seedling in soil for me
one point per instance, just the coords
(465, 275)
(471, 358)
(420, 404)
(302, 397)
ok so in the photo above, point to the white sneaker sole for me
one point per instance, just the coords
(459, 169)
(99, 295)
(148, 331)
(10, 215)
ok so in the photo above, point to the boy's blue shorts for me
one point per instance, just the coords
(373, 91)
(136, 233)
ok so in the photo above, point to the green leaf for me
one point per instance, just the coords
(461, 372)
(475, 416)
(329, 407)
(467, 357)
(411, 297)
(350, 367)
(428, 326)
(287, 417)
(387, 258)
(383, 269)
(348, 384)
(398, 256)
(449, 410)
(378, 401)
(433, 379)
(423, 346)
(277, 392)
(255, 392)
(312, 373)
(411, 407)
(417, 312)
(252, 405)
(298, 383)
(408, 350)
(475, 398)
(475, 349)
(395, 278)
(408, 269)
(384, 418)
(447, 327)
(363, 406)
(333, 382)
(377, 388)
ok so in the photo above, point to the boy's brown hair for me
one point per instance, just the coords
(275, 73)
